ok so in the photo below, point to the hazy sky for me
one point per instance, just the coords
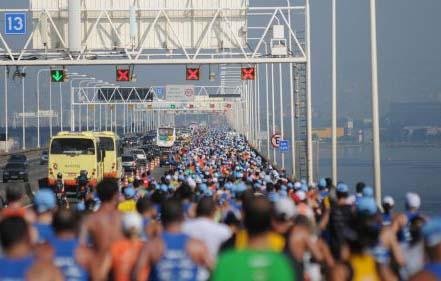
(409, 55)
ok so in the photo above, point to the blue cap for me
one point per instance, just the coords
(44, 201)
(322, 183)
(368, 191)
(129, 192)
(342, 187)
(367, 205)
(304, 187)
(432, 232)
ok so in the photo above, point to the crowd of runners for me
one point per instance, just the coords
(220, 213)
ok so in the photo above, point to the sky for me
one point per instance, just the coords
(409, 45)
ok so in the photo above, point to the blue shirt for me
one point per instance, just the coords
(175, 264)
(65, 250)
(14, 269)
(45, 232)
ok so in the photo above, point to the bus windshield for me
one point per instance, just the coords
(165, 131)
(73, 146)
(107, 144)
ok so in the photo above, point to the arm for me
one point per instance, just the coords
(199, 253)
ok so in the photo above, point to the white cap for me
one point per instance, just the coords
(389, 200)
(297, 185)
(132, 222)
(191, 183)
(301, 195)
(168, 177)
(285, 208)
(413, 200)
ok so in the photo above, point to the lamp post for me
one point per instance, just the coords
(72, 114)
(38, 104)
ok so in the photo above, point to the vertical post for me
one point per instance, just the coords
(6, 109)
(309, 95)
(61, 107)
(101, 127)
(124, 118)
(87, 117)
(50, 108)
(80, 127)
(375, 110)
(258, 111)
(273, 110)
(72, 113)
(268, 132)
(23, 111)
(38, 109)
(292, 104)
(334, 94)
(282, 127)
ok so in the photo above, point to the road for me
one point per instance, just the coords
(37, 171)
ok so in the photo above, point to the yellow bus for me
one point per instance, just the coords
(70, 153)
(109, 142)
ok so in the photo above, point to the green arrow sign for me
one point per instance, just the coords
(57, 75)
(172, 106)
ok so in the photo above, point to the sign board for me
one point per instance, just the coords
(123, 75)
(275, 140)
(184, 93)
(126, 94)
(58, 76)
(160, 93)
(248, 73)
(15, 23)
(283, 146)
(193, 73)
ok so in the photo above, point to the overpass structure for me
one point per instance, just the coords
(227, 35)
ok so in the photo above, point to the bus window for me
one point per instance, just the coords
(73, 146)
(107, 144)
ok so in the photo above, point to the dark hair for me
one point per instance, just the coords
(107, 189)
(328, 182)
(65, 220)
(184, 192)
(359, 187)
(143, 205)
(257, 212)
(341, 195)
(361, 233)
(13, 230)
(171, 211)
(13, 193)
(206, 207)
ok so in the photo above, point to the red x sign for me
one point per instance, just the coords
(228, 105)
(212, 105)
(190, 106)
(193, 73)
(248, 73)
(123, 75)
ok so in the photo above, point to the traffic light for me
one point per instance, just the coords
(123, 75)
(248, 73)
(193, 73)
(58, 76)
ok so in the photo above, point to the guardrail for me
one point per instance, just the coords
(31, 154)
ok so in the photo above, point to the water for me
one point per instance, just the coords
(405, 168)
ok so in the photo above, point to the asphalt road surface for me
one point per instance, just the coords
(37, 172)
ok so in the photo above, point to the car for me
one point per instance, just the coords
(44, 157)
(128, 163)
(15, 171)
(18, 158)
(139, 155)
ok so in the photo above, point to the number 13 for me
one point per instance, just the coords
(15, 23)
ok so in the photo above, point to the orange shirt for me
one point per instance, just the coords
(125, 253)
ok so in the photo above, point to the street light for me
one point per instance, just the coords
(80, 77)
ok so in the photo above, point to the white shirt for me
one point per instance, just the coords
(213, 234)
